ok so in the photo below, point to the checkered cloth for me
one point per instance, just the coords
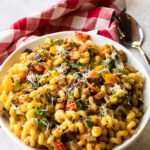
(66, 15)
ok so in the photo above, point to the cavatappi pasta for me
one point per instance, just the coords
(73, 94)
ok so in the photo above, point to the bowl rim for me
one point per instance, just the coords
(123, 145)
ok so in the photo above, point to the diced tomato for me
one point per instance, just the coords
(94, 89)
(92, 75)
(82, 37)
(60, 146)
(71, 106)
(39, 68)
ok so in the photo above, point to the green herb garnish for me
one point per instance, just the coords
(42, 122)
(80, 106)
(96, 64)
(39, 111)
(92, 59)
(51, 68)
(82, 96)
(65, 63)
(111, 63)
(75, 65)
(52, 42)
(47, 90)
(55, 69)
(39, 64)
(87, 66)
(89, 123)
(44, 51)
(70, 95)
(90, 49)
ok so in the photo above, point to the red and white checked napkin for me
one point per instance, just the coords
(66, 15)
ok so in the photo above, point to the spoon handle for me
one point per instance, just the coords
(144, 54)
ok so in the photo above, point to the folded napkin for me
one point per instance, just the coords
(66, 15)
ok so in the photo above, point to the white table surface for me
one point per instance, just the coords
(12, 10)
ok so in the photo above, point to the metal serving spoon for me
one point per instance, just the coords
(131, 33)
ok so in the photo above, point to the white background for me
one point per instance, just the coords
(12, 10)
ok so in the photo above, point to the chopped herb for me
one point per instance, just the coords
(90, 49)
(111, 63)
(43, 122)
(96, 64)
(65, 63)
(40, 110)
(70, 95)
(97, 106)
(80, 106)
(75, 65)
(96, 49)
(89, 123)
(39, 64)
(115, 70)
(82, 120)
(44, 51)
(107, 88)
(92, 59)
(45, 76)
(55, 69)
(52, 42)
(51, 68)
(47, 90)
(87, 66)
(82, 96)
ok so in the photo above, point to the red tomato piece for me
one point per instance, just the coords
(82, 37)
(94, 89)
(60, 146)
(39, 68)
(71, 106)
(92, 75)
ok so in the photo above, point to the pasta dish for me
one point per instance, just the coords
(70, 94)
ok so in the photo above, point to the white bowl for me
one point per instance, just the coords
(99, 40)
